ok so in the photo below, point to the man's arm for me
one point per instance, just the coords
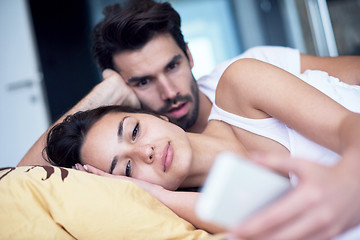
(112, 90)
(346, 68)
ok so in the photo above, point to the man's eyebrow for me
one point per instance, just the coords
(120, 129)
(113, 164)
(137, 79)
(174, 59)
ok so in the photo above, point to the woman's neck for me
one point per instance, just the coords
(216, 138)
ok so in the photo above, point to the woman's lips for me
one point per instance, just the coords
(167, 157)
(179, 111)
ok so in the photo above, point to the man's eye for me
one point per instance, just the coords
(135, 132)
(172, 66)
(143, 82)
(128, 169)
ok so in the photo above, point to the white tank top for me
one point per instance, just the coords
(296, 143)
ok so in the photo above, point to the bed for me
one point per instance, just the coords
(44, 202)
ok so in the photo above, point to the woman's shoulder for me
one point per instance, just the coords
(239, 88)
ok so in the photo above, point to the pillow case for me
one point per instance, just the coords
(45, 202)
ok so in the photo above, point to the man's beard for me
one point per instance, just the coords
(190, 118)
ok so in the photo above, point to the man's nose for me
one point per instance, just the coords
(167, 89)
(145, 153)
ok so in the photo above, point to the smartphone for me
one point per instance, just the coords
(236, 188)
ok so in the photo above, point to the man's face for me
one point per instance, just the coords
(160, 75)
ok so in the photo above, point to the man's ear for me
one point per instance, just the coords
(191, 61)
(164, 118)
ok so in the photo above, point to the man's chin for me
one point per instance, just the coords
(184, 122)
(180, 124)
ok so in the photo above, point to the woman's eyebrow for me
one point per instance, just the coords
(120, 135)
(120, 129)
(113, 164)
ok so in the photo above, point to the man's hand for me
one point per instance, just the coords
(322, 205)
(119, 93)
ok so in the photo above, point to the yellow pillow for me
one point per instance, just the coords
(45, 202)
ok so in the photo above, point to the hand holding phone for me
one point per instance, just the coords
(236, 188)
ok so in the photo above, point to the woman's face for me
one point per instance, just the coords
(141, 146)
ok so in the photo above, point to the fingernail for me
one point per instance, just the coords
(76, 166)
(85, 167)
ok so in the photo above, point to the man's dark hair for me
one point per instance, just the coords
(132, 24)
(64, 141)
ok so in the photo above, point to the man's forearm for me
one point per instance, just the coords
(111, 91)
(346, 68)
(35, 155)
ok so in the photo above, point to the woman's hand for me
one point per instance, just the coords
(323, 204)
(153, 189)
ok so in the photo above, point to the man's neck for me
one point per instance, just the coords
(204, 112)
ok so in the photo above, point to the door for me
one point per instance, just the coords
(23, 112)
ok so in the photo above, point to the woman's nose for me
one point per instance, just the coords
(146, 153)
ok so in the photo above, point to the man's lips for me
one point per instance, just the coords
(167, 157)
(178, 111)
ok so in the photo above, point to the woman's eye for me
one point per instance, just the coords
(128, 169)
(135, 132)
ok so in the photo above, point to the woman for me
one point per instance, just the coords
(252, 114)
